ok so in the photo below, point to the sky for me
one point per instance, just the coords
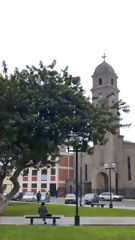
(76, 33)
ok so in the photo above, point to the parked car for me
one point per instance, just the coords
(18, 196)
(45, 197)
(90, 197)
(29, 197)
(70, 198)
(106, 196)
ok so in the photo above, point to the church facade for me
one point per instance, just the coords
(93, 177)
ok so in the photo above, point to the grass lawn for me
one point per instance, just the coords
(67, 233)
(11, 232)
(21, 209)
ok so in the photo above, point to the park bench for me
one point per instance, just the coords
(38, 217)
(97, 204)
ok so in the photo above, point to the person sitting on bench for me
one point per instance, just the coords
(42, 210)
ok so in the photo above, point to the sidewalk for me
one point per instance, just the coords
(69, 221)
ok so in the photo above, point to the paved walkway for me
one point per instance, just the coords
(69, 221)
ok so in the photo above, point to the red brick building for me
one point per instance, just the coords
(54, 179)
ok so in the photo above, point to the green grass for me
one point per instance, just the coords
(21, 209)
(35, 232)
(67, 233)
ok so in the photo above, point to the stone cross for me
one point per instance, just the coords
(104, 57)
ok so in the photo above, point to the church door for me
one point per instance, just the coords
(102, 182)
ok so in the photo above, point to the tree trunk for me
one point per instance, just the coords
(2, 177)
(5, 201)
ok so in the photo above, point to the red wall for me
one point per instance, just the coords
(25, 178)
(34, 178)
(52, 178)
(64, 159)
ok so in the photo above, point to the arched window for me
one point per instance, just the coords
(70, 189)
(111, 81)
(100, 81)
(117, 183)
(86, 172)
(129, 168)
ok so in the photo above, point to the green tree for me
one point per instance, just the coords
(39, 108)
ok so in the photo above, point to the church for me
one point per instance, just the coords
(117, 154)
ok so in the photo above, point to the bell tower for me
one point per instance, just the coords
(105, 82)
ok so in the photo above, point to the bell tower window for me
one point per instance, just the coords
(111, 81)
(100, 81)
(129, 168)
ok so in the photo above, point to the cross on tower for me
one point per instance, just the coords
(104, 57)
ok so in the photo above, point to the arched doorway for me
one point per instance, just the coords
(102, 182)
(70, 186)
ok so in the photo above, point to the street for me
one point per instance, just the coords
(125, 203)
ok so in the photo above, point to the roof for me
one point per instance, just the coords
(104, 67)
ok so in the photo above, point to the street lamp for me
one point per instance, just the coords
(81, 181)
(78, 142)
(77, 217)
(106, 166)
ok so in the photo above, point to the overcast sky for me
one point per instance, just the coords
(75, 33)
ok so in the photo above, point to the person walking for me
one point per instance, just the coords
(42, 210)
(38, 196)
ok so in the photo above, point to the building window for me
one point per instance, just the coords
(25, 172)
(112, 81)
(44, 175)
(43, 185)
(100, 81)
(129, 169)
(44, 172)
(70, 189)
(34, 172)
(33, 185)
(25, 185)
(52, 171)
(117, 183)
(86, 172)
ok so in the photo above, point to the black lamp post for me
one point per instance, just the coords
(74, 140)
(81, 181)
(77, 217)
(71, 138)
(110, 168)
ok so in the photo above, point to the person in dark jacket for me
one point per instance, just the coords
(42, 210)
(38, 196)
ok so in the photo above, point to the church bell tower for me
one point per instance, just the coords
(105, 82)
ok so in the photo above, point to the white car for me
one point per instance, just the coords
(29, 197)
(70, 198)
(106, 196)
(45, 197)
(90, 197)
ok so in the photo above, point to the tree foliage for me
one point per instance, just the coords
(39, 108)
